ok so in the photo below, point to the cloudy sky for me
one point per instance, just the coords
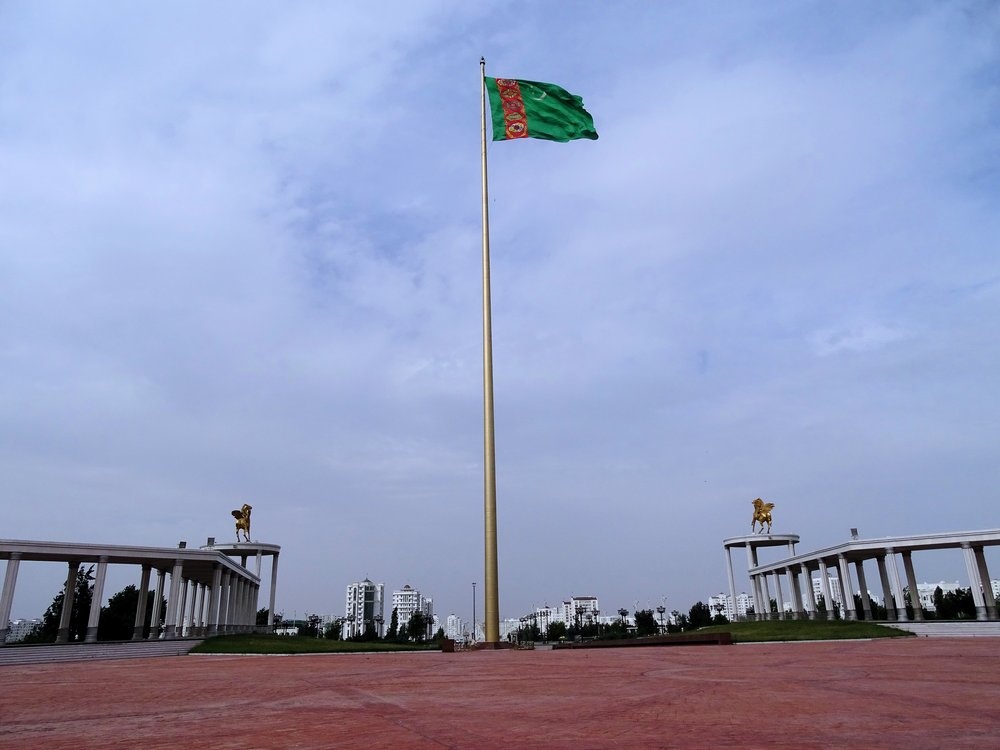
(240, 262)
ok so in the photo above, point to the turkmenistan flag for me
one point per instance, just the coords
(529, 109)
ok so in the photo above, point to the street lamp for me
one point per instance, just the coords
(378, 621)
(660, 610)
(473, 611)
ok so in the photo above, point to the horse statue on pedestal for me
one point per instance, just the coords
(761, 515)
(242, 517)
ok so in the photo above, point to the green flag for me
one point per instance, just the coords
(529, 109)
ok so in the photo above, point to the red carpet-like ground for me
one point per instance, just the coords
(906, 693)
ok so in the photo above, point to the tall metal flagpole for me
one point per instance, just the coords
(491, 592)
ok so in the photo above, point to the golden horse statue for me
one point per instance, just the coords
(242, 517)
(761, 515)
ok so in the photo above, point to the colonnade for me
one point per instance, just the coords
(835, 564)
(206, 592)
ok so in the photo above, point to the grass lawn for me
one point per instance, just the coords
(803, 630)
(253, 643)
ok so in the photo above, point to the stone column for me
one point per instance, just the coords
(810, 598)
(890, 607)
(96, 598)
(154, 621)
(754, 588)
(140, 607)
(181, 609)
(780, 598)
(896, 585)
(274, 568)
(199, 594)
(206, 606)
(213, 604)
(984, 576)
(69, 597)
(260, 554)
(846, 590)
(173, 601)
(911, 583)
(765, 594)
(7, 596)
(224, 601)
(866, 601)
(974, 581)
(824, 582)
(795, 592)
(274, 589)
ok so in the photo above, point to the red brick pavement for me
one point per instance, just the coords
(912, 693)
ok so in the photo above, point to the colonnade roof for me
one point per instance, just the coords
(868, 549)
(197, 564)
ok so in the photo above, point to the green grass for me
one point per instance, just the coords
(285, 644)
(803, 630)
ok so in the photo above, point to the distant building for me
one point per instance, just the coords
(722, 604)
(364, 605)
(21, 629)
(408, 601)
(580, 610)
(838, 600)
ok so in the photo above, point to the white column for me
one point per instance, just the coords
(896, 584)
(824, 582)
(274, 588)
(754, 588)
(154, 620)
(810, 599)
(140, 607)
(213, 605)
(890, 609)
(798, 611)
(260, 554)
(69, 597)
(206, 606)
(766, 593)
(224, 595)
(181, 608)
(199, 595)
(911, 583)
(173, 601)
(95, 601)
(780, 599)
(846, 590)
(866, 601)
(974, 581)
(7, 596)
(984, 576)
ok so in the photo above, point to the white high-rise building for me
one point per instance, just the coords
(722, 604)
(408, 600)
(364, 605)
(583, 610)
(838, 600)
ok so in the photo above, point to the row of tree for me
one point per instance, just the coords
(117, 621)
(415, 629)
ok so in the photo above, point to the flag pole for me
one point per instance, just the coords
(491, 593)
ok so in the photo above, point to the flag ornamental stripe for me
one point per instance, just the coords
(532, 109)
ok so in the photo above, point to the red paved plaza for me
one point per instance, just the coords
(912, 693)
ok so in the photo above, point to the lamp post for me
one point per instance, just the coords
(378, 621)
(473, 611)
(660, 610)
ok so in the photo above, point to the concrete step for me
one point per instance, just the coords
(949, 629)
(64, 652)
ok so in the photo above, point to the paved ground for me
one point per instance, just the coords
(912, 693)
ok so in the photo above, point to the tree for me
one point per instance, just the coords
(335, 629)
(117, 621)
(645, 622)
(393, 630)
(417, 626)
(700, 615)
(83, 593)
(439, 635)
(557, 630)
